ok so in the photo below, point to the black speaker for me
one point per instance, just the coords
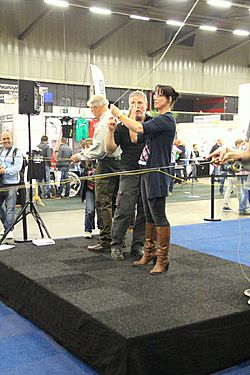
(29, 97)
(202, 169)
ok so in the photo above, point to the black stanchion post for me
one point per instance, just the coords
(212, 201)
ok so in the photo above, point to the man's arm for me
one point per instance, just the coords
(110, 145)
(96, 150)
(131, 124)
(133, 136)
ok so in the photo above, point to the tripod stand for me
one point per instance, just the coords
(29, 207)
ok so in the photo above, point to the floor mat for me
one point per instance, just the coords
(225, 239)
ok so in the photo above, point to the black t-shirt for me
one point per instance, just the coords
(67, 127)
(36, 168)
(130, 151)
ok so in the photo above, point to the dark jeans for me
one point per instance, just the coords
(105, 197)
(128, 198)
(47, 180)
(154, 209)
(193, 172)
(89, 210)
(64, 181)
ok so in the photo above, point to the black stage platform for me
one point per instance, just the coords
(121, 320)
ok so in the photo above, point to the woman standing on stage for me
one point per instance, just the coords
(160, 133)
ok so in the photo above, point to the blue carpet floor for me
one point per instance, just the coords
(26, 350)
(224, 239)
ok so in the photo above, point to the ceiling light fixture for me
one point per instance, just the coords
(241, 32)
(208, 28)
(220, 3)
(58, 3)
(100, 10)
(174, 23)
(137, 17)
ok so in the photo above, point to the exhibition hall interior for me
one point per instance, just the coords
(124, 187)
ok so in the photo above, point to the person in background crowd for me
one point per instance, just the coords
(217, 169)
(47, 153)
(129, 194)
(181, 161)
(238, 180)
(160, 133)
(63, 156)
(88, 191)
(11, 161)
(174, 156)
(223, 155)
(194, 156)
(105, 188)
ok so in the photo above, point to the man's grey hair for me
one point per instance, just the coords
(138, 93)
(97, 101)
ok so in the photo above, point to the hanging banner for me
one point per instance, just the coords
(98, 80)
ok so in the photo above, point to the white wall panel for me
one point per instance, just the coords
(123, 58)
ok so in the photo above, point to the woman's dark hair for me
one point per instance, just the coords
(167, 91)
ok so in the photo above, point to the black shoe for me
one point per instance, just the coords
(98, 248)
(117, 254)
(137, 252)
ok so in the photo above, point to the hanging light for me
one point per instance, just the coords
(208, 28)
(100, 10)
(241, 32)
(220, 3)
(59, 3)
(174, 23)
(137, 17)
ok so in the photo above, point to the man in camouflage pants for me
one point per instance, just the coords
(105, 188)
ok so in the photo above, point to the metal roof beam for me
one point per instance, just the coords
(227, 49)
(178, 40)
(31, 27)
(110, 33)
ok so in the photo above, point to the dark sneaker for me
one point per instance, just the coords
(117, 254)
(244, 213)
(137, 252)
(98, 248)
(226, 209)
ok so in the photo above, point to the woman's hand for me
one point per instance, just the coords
(218, 156)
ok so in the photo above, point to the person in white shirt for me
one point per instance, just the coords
(105, 188)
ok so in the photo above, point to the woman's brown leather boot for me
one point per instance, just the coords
(150, 246)
(163, 240)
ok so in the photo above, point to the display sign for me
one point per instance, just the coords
(207, 119)
(98, 80)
